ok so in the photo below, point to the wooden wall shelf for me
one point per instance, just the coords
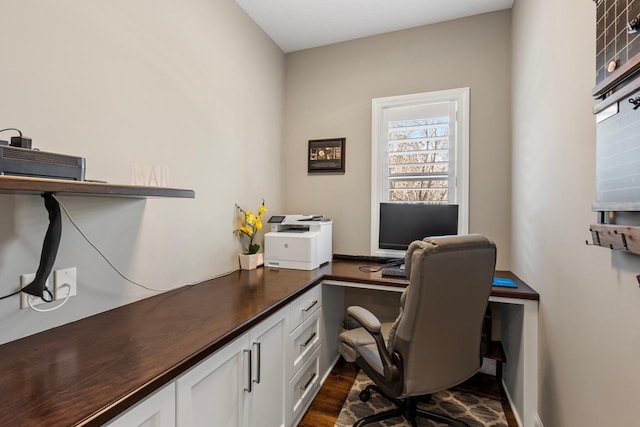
(23, 185)
(616, 237)
(47, 187)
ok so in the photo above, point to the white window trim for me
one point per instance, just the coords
(378, 105)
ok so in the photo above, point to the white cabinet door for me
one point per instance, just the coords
(213, 392)
(241, 385)
(157, 410)
(267, 397)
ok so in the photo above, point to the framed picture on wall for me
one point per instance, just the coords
(326, 155)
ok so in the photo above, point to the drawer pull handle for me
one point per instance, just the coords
(635, 101)
(304, 310)
(306, 343)
(257, 380)
(306, 386)
(248, 388)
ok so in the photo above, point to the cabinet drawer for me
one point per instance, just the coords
(303, 341)
(304, 386)
(303, 307)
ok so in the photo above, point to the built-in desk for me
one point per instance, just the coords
(518, 326)
(89, 371)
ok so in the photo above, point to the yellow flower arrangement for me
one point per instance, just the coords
(252, 223)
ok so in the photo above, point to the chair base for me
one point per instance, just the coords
(406, 408)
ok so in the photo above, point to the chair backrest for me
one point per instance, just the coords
(439, 329)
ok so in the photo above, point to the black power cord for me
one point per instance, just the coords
(19, 141)
(49, 249)
(17, 130)
(390, 263)
(10, 295)
(50, 246)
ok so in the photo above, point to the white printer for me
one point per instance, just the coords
(301, 242)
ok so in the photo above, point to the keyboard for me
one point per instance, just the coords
(397, 271)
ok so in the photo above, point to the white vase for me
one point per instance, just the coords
(251, 261)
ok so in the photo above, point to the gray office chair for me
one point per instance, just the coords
(434, 344)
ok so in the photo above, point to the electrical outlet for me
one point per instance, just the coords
(62, 278)
(25, 279)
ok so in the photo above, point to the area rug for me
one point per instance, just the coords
(477, 411)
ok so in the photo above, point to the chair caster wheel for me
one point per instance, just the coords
(365, 395)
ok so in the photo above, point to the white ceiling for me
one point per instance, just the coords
(301, 24)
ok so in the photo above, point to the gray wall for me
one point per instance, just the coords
(192, 86)
(589, 309)
(328, 94)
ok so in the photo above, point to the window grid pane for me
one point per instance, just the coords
(440, 196)
(418, 160)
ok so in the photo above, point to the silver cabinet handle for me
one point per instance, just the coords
(304, 310)
(248, 388)
(306, 343)
(306, 386)
(257, 380)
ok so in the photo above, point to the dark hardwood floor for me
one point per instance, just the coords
(325, 408)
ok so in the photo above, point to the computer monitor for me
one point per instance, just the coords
(403, 223)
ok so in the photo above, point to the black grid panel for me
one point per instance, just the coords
(613, 43)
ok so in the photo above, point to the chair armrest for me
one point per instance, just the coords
(367, 319)
(372, 325)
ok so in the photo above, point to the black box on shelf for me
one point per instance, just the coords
(33, 163)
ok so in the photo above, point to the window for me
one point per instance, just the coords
(420, 154)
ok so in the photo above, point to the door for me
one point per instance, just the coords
(213, 392)
(267, 397)
(157, 410)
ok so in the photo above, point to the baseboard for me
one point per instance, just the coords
(331, 366)
(537, 422)
(536, 419)
(513, 407)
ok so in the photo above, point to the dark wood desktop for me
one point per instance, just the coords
(348, 271)
(88, 371)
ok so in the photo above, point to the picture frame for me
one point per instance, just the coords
(326, 155)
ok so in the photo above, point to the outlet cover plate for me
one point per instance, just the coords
(67, 276)
(25, 279)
